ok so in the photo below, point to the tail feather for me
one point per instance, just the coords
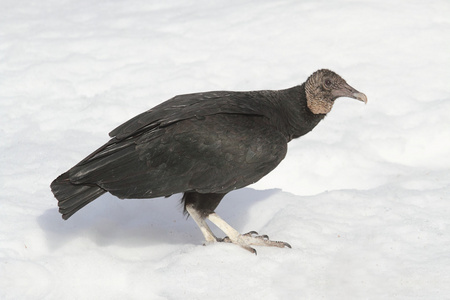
(72, 197)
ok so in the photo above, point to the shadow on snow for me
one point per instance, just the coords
(143, 222)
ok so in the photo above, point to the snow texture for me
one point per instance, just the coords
(363, 199)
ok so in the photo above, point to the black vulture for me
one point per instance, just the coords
(203, 145)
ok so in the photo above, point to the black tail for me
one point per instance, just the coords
(72, 197)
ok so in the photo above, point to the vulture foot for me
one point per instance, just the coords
(253, 239)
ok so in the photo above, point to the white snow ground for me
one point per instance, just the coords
(363, 199)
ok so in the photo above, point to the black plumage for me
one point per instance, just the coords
(203, 145)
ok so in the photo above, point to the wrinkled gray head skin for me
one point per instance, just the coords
(325, 86)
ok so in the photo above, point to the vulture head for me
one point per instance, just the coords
(325, 86)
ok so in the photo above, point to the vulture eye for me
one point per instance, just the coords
(328, 82)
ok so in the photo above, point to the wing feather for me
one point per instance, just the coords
(197, 105)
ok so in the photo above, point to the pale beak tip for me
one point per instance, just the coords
(360, 97)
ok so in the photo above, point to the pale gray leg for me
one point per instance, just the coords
(207, 233)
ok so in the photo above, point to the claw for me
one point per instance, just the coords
(248, 248)
(286, 245)
(264, 237)
(245, 246)
(224, 240)
(250, 233)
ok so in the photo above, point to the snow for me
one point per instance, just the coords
(363, 199)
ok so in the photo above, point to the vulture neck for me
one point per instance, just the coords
(295, 118)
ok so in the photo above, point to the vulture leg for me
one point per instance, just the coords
(201, 207)
(207, 233)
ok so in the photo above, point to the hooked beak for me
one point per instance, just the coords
(360, 96)
(347, 91)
